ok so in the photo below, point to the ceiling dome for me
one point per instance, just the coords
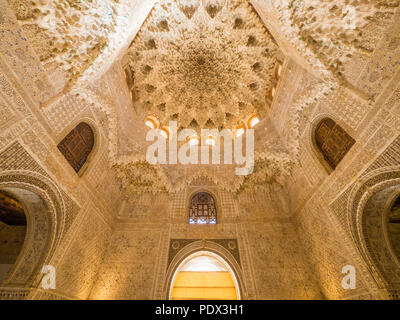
(206, 64)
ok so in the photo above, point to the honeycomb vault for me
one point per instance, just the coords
(206, 64)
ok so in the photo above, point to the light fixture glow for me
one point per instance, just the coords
(273, 90)
(278, 71)
(166, 132)
(253, 120)
(239, 131)
(204, 263)
(194, 141)
(152, 122)
(210, 141)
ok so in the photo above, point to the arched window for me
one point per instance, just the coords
(12, 232)
(204, 276)
(332, 141)
(202, 209)
(77, 145)
(394, 227)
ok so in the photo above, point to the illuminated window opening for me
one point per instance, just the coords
(204, 276)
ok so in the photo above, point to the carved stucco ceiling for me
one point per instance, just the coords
(205, 64)
(76, 40)
(67, 35)
(194, 61)
(329, 34)
(336, 30)
(273, 162)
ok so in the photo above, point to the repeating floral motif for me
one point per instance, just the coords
(293, 222)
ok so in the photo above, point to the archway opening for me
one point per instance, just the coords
(204, 276)
(393, 227)
(379, 233)
(13, 228)
(332, 142)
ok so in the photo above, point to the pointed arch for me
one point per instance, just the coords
(44, 208)
(213, 249)
(368, 210)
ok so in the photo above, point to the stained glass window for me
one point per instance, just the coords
(202, 209)
(77, 145)
(332, 141)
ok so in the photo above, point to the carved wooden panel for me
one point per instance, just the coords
(332, 141)
(202, 209)
(77, 145)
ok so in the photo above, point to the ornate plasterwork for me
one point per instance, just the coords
(47, 220)
(215, 246)
(272, 157)
(168, 39)
(71, 36)
(336, 30)
(141, 177)
(271, 165)
(328, 34)
(206, 64)
(67, 35)
(368, 200)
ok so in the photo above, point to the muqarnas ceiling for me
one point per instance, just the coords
(205, 64)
